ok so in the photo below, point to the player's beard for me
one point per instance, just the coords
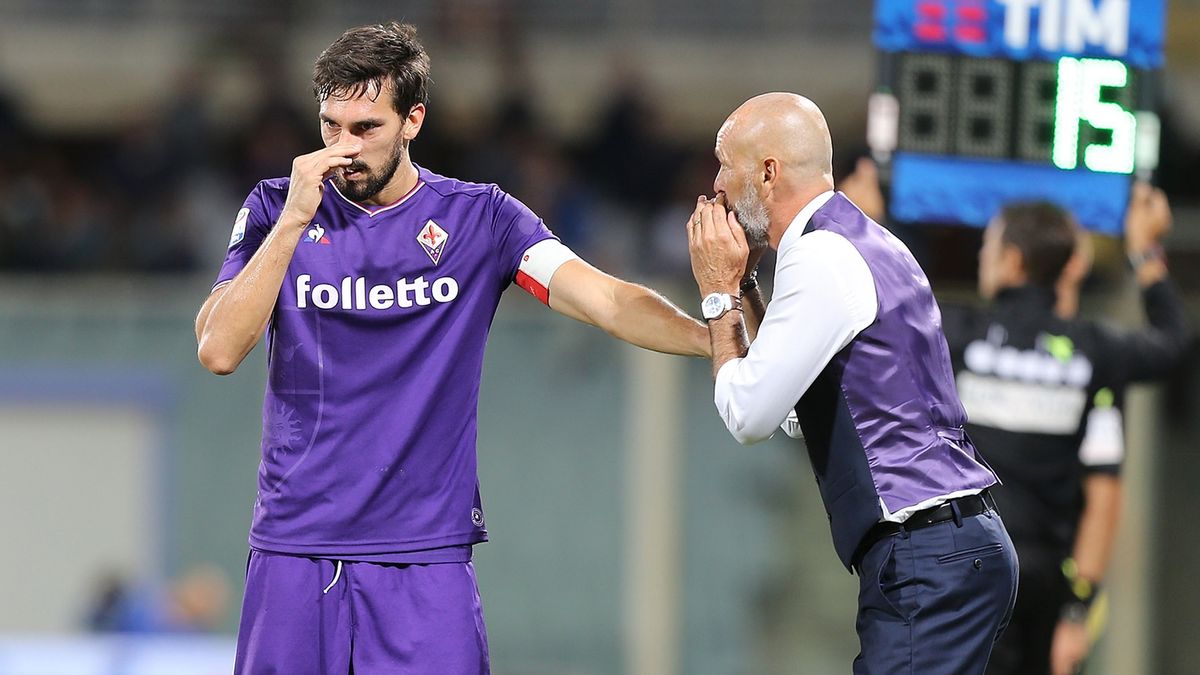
(752, 215)
(372, 182)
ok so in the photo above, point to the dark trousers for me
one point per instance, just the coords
(1024, 648)
(935, 600)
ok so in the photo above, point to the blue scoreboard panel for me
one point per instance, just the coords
(982, 102)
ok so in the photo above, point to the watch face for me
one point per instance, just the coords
(713, 305)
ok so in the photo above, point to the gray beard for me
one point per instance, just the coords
(752, 214)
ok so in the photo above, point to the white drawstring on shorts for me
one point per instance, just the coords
(336, 575)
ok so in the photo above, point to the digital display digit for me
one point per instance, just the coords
(1036, 119)
(984, 96)
(925, 83)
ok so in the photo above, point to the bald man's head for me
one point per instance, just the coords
(775, 155)
(787, 127)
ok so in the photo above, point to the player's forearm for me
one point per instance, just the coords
(644, 318)
(236, 320)
(728, 339)
(1097, 526)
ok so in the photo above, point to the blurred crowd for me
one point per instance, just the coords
(159, 194)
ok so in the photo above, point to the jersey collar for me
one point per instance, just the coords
(374, 211)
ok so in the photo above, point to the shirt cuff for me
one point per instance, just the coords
(727, 405)
(724, 385)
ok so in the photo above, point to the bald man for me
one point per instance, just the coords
(851, 353)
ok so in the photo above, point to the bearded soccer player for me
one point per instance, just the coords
(375, 281)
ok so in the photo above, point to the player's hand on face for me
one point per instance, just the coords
(1148, 219)
(755, 254)
(308, 175)
(718, 248)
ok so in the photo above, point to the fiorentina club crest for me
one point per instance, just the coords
(433, 239)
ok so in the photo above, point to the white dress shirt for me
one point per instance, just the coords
(824, 296)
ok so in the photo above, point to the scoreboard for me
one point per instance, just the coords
(983, 102)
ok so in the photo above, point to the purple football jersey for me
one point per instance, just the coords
(375, 353)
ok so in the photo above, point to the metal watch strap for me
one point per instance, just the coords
(1139, 258)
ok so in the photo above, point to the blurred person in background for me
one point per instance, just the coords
(375, 281)
(194, 602)
(1043, 392)
(850, 353)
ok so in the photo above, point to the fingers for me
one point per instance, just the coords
(1146, 196)
(336, 155)
(1140, 192)
(342, 149)
(713, 220)
(736, 231)
(725, 225)
(340, 154)
(1148, 218)
(718, 253)
(332, 157)
(1158, 205)
(693, 224)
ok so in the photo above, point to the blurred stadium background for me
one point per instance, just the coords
(630, 534)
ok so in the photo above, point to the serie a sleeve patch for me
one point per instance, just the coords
(538, 265)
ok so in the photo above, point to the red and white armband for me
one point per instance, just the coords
(538, 265)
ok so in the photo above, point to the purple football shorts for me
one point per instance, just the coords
(304, 616)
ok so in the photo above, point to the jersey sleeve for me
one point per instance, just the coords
(250, 226)
(1103, 446)
(514, 230)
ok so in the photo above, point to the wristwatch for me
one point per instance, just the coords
(1136, 260)
(1074, 612)
(715, 305)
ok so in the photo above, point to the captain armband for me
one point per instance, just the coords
(538, 265)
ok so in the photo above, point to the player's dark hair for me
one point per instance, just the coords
(1045, 234)
(368, 57)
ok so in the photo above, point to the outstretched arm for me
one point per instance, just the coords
(626, 311)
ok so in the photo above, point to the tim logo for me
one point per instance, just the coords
(1054, 25)
(433, 239)
(316, 235)
(1068, 25)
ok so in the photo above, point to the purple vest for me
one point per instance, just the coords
(883, 422)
